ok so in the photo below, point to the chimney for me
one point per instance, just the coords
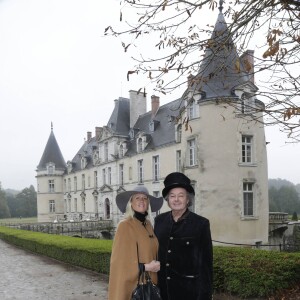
(89, 136)
(247, 59)
(138, 105)
(154, 105)
(98, 132)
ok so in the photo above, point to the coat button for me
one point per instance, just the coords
(187, 243)
(171, 238)
(168, 278)
(167, 264)
(169, 251)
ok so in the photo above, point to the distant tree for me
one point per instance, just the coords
(279, 182)
(295, 216)
(26, 203)
(12, 204)
(298, 188)
(285, 199)
(4, 210)
(274, 203)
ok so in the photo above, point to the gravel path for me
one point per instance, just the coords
(25, 275)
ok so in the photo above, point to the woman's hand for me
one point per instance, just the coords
(153, 266)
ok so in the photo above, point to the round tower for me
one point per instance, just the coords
(50, 171)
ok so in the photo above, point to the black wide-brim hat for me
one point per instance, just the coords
(123, 198)
(177, 179)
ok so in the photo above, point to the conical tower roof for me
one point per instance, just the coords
(52, 154)
(221, 69)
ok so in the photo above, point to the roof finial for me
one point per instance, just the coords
(221, 5)
(51, 126)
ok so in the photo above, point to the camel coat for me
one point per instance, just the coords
(124, 261)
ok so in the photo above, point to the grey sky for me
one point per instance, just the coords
(56, 66)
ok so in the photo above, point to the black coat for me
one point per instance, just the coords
(185, 254)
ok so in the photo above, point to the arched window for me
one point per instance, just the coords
(107, 208)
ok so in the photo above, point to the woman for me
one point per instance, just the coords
(135, 246)
(185, 245)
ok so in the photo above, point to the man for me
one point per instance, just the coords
(185, 246)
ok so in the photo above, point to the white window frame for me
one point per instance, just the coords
(109, 175)
(95, 179)
(121, 151)
(178, 160)
(191, 109)
(121, 174)
(75, 205)
(155, 164)
(139, 145)
(69, 185)
(178, 133)
(192, 161)
(104, 176)
(247, 149)
(83, 182)
(83, 203)
(248, 199)
(107, 209)
(83, 162)
(75, 184)
(106, 151)
(51, 185)
(52, 206)
(140, 170)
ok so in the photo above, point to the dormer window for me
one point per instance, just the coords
(139, 145)
(151, 126)
(50, 168)
(247, 103)
(83, 162)
(95, 157)
(121, 151)
(131, 133)
(69, 167)
(106, 151)
(191, 109)
(178, 133)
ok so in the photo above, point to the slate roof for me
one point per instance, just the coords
(118, 124)
(53, 154)
(86, 150)
(221, 69)
(119, 120)
(164, 132)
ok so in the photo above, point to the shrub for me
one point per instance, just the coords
(254, 273)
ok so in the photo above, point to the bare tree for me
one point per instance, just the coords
(179, 48)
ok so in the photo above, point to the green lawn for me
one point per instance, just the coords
(18, 220)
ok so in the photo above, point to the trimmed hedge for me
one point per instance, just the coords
(248, 272)
(237, 271)
(91, 254)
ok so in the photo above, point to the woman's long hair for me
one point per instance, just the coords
(129, 212)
